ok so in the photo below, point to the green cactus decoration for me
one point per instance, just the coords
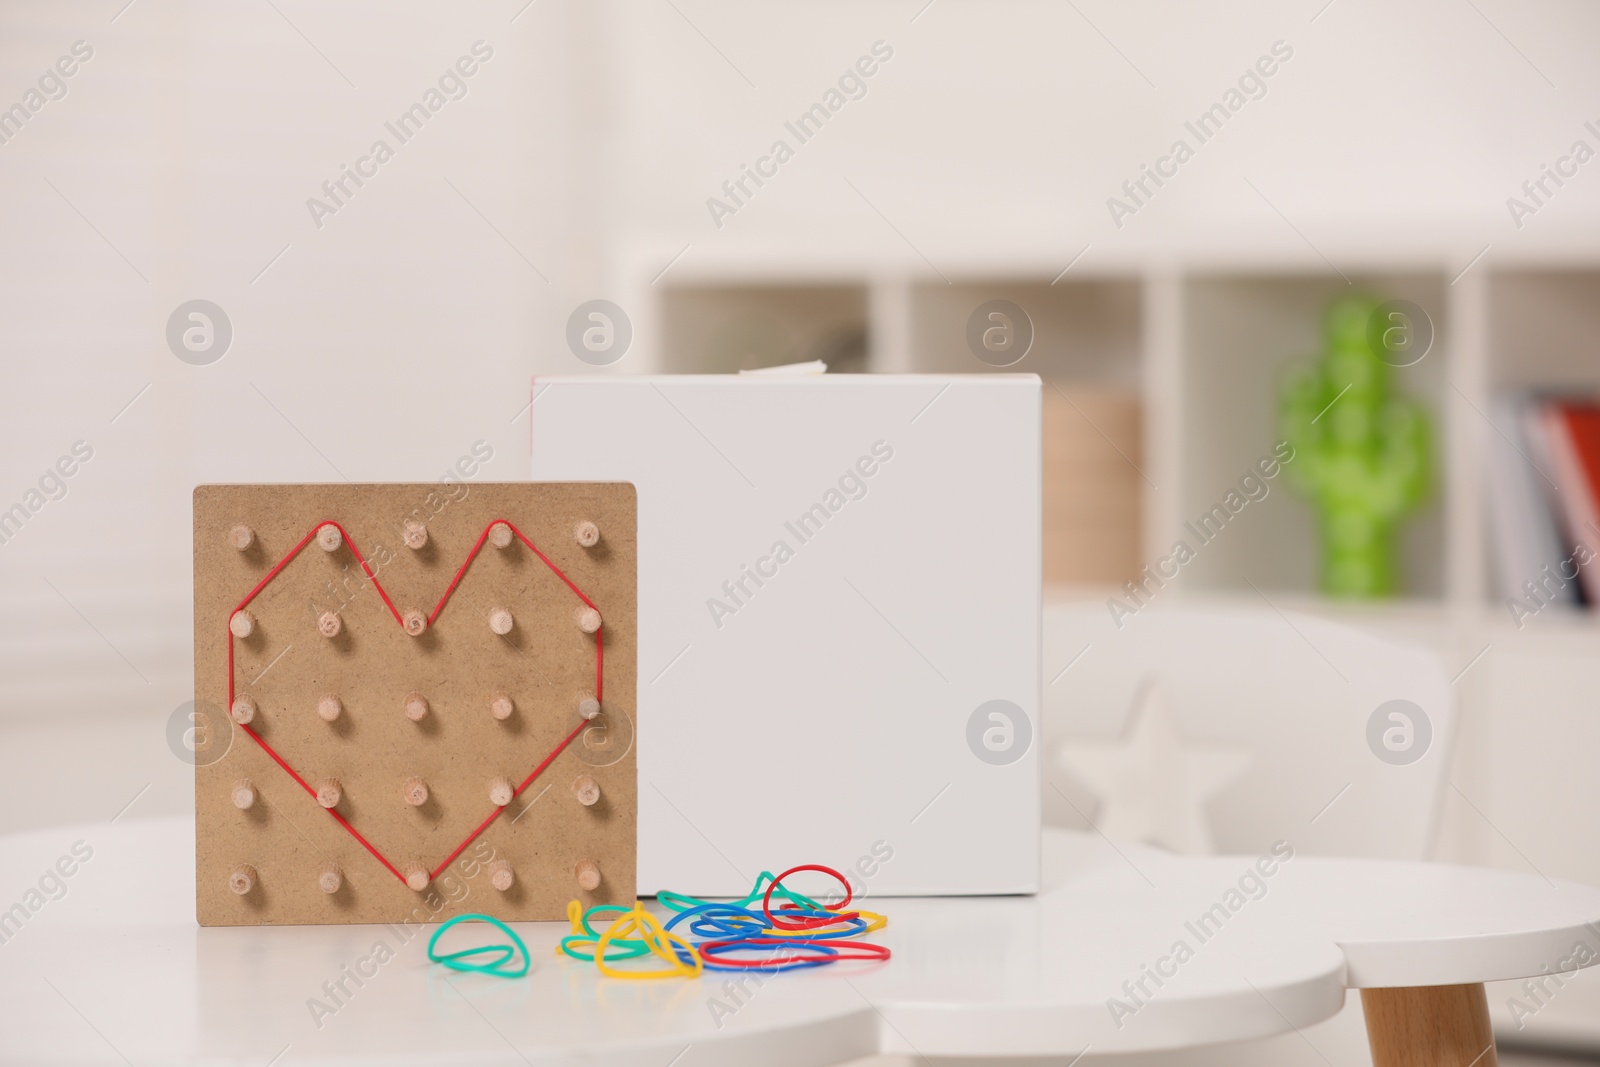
(1362, 454)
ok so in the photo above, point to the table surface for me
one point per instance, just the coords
(110, 966)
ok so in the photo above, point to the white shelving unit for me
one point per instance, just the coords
(1205, 350)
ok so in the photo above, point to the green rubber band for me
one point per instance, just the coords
(783, 891)
(681, 902)
(626, 948)
(458, 961)
(595, 910)
(618, 949)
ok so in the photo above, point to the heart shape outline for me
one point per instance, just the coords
(367, 572)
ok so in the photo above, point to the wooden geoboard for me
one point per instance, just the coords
(419, 700)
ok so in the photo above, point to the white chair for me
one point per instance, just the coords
(1275, 710)
(1286, 699)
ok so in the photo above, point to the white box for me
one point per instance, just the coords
(819, 702)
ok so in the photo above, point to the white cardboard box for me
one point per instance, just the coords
(835, 573)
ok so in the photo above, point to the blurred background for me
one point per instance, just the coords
(378, 314)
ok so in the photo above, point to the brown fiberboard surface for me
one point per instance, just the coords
(546, 663)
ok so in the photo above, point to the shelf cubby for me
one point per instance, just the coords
(1241, 336)
(1083, 331)
(725, 328)
(1544, 330)
(1088, 347)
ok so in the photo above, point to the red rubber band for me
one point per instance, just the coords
(451, 588)
(806, 924)
(526, 782)
(366, 569)
(858, 950)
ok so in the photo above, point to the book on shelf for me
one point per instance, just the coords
(1544, 497)
(1572, 434)
(1523, 521)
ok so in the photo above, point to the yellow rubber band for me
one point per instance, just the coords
(877, 921)
(658, 938)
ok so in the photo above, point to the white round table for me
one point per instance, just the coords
(106, 964)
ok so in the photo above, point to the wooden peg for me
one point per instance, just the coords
(588, 706)
(588, 619)
(242, 710)
(329, 624)
(417, 876)
(500, 621)
(329, 707)
(501, 706)
(241, 623)
(501, 791)
(500, 535)
(586, 534)
(500, 875)
(416, 706)
(588, 874)
(416, 791)
(329, 793)
(244, 794)
(329, 538)
(414, 622)
(414, 534)
(586, 789)
(330, 878)
(242, 879)
(241, 537)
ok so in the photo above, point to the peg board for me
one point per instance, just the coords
(546, 663)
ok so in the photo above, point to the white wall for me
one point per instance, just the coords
(383, 344)
(998, 130)
(378, 347)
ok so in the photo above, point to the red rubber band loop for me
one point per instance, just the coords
(812, 923)
(367, 571)
(858, 950)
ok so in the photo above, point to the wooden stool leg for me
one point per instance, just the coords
(1429, 1026)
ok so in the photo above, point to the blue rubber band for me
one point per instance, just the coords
(777, 966)
(730, 922)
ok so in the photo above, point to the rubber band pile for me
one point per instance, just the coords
(732, 936)
(800, 934)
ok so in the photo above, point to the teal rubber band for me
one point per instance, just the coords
(783, 891)
(459, 961)
(618, 949)
(681, 902)
(596, 910)
(625, 948)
